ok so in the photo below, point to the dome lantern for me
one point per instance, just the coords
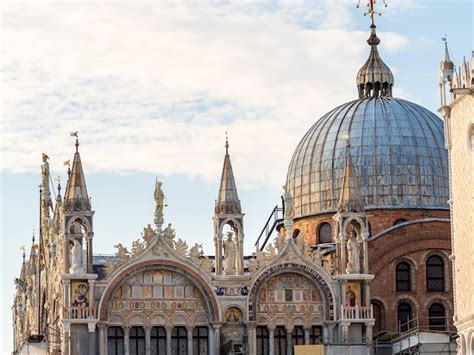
(375, 77)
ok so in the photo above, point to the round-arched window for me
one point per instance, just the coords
(325, 233)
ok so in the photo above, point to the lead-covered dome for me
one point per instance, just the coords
(396, 148)
(397, 151)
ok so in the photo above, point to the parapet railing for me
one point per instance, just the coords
(356, 312)
(79, 312)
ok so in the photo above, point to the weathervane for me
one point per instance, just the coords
(371, 10)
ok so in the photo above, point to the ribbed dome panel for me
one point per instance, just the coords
(397, 150)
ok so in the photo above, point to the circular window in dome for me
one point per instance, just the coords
(325, 233)
(470, 138)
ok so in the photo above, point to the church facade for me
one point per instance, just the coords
(361, 251)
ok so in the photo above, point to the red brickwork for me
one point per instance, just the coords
(414, 243)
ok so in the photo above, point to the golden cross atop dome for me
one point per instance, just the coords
(371, 8)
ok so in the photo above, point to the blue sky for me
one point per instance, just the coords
(153, 86)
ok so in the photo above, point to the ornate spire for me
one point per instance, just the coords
(76, 197)
(228, 200)
(350, 199)
(375, 77)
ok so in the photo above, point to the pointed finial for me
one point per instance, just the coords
(76, 134)
(226, 144)
(33, 237)
(22, 248)
(58, 180)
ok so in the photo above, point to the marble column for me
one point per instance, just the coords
(190, 340)
(102, 339)
(212, 346)
(252, 338)
(147, 339)
(169, 330)
(289, 345)
(66, 340)
(219, 255)
(92, 343)
(217, 337)
(126, 340)
(307, 340)
(325, 334)
(271, 340)
(90, 270)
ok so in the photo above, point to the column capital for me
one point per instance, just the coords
(102, 325)
(251, 325)
(271, 327)
(126, 328)
(289, 328)
(216, 325)
(148, 327)
(91, 327)
(190, 328)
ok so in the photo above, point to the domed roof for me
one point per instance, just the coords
(397, 151)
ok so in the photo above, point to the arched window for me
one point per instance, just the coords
(379, 316)
(404, 316)
(296, 233)
(158, 340)
(280, 341)
(179, 341)
(325, 233)
(435, 274)
(437, 317)
(115, 341)
(399, 221)
(262, 340)
(403, 277)
(200, 341)
(315, 335)
(137, 341)
(297, 336)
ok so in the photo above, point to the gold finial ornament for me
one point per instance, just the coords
(371, 8)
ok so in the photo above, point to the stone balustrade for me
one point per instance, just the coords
(79, 312)
(356, 313)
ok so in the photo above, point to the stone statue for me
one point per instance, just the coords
(196, 251)
(300, 243)
(76, 227)
(353, 254)
(288, 207)
(122, 253)
(76, 258)
(169, 234)
(317, 256)
(45, 193)
(148, 234)
(230, 250)
(279, 243)
(253, 264)
(159, 198)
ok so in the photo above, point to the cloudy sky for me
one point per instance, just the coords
(152, 87)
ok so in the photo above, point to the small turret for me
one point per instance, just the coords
(76, 197)
(446, 72)
(228, 211)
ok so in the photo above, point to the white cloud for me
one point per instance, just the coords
(154, 86)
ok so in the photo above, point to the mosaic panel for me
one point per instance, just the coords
(157, 290)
